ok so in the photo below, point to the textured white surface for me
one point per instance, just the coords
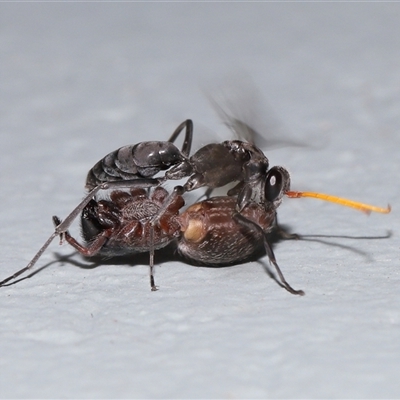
(79, 80)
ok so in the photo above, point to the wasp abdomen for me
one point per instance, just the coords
(142, 160)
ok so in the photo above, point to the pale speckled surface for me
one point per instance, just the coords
(79, 80)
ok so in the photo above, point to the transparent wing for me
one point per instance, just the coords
(241, 107)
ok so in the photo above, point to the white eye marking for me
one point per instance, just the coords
(272, 181)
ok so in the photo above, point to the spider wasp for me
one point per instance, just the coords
(141, 216)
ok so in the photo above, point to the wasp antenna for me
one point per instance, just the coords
(366, 208)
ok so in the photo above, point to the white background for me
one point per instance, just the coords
(79, 80)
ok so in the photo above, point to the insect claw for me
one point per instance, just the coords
(293, 291)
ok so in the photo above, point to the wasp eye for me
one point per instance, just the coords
(273, 185)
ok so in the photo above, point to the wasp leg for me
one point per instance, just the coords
(151, 262)
(32, 262)
(251, 225)
(283, 233)
(187, 143)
